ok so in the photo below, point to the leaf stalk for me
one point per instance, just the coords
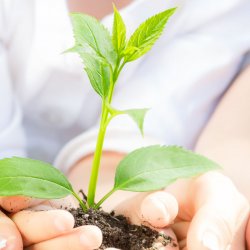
(105, 197)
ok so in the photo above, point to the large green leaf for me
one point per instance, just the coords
(119, 32)
(146, 35)
(22, 176)
(154, 167)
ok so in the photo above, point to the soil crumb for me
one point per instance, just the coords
(118, 233)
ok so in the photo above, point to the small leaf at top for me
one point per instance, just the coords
(155, 167)
(119, 32)
(94, 45)
(33, 178)
(146, 35)
(138, 115)
(88, 30)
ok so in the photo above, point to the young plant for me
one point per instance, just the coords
(146, 169)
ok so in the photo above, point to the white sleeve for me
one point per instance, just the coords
(12, 142)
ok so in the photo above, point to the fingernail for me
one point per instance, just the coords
(91, 237)
(3, 242)
(163, 207)
(160, 217)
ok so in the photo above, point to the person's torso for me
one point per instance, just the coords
(191, 63)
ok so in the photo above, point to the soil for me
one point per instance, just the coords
(119, 233)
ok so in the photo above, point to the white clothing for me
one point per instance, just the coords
(181, 79)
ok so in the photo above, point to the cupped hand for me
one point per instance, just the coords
(45, 227)
(10, 237)
(212, 213)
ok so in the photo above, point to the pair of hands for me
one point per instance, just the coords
(211, 215)
(204, 213)
(33, 229)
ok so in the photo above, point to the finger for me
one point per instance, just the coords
(157, 209)
(17, 203)
(82, 238)
(220, 215)
(10, 239)
(43, 225)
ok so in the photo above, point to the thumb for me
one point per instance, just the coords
(159, 209)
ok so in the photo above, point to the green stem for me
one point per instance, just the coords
(115, 75)
(120, 69)
(105, 197)
(83, 206)
(105, 119)
(97, 157)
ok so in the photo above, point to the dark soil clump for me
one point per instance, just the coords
(118, 233)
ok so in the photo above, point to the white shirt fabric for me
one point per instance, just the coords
(46, 99)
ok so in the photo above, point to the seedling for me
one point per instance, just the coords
(145, 169)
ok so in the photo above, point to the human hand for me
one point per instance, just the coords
(38, 230)
(212, 213)
(10, 237)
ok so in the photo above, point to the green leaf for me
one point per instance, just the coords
(21, 176)
(146, 35)
(99, 78)
(98, 71)
(154, 167)
(119, 32)
(86, 50)
(94, 45)
(138, 115)
(96, 67)
(88, 31)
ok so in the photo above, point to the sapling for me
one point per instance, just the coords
(145, 169)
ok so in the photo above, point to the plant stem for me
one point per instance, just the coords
(83, 206)
(105, 197)
(97, 157)
(105, 119)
